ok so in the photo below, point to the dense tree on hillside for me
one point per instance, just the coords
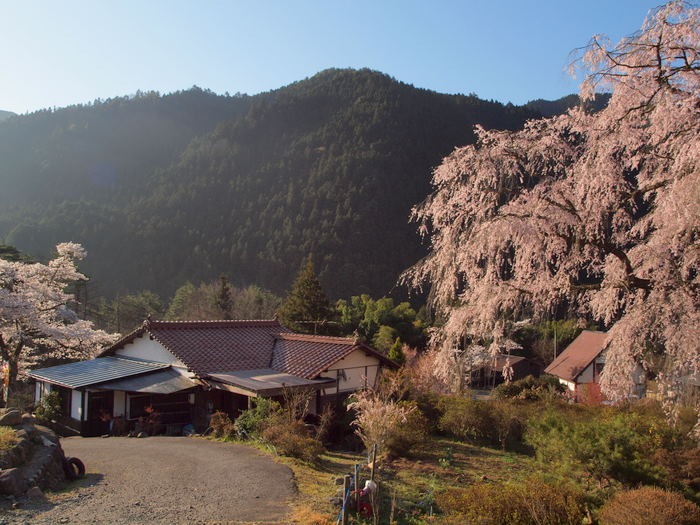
(592, 213)
(381, 321)
(191, 303)
(37, 320)
(181, 187)
(306, 308)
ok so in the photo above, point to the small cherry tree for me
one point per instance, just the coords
(36, 320)
(597, 214)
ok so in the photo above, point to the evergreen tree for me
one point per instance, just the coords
(224, 301)
(306, 308)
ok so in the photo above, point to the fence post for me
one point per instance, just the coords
(346, 499)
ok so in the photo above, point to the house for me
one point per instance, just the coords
(581, 364)
(186, 370)
(491, 374)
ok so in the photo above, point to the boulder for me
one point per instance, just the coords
(10, 417)
(12, 481)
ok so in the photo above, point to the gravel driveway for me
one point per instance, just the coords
(165, 480)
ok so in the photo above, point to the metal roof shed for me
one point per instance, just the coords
(96, 371)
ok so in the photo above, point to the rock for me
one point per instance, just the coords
(12, 481)
(35, 492)
(10, 417)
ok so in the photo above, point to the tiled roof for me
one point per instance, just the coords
(95, 371)
(213, 346)
(209, 347)
(309, 355)
(578, 355)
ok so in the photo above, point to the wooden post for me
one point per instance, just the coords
(344, 510)
(357, 488)
(374, 461)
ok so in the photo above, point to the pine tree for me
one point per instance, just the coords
(224, 301)
(306, 308)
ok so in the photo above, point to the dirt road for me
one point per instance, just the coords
(165, 480)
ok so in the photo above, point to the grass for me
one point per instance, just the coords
(408, 485)
(8, 438)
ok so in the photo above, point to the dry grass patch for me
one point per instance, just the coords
(8, 438)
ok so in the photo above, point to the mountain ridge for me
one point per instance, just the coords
(186, 186)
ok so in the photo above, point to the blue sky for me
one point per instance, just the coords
(60, 53)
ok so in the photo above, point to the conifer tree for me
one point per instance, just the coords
(224, 301)
(306, 308)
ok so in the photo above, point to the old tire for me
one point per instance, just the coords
(73, 468)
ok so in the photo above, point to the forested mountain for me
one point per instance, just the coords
(5, 114)
(164, 189)
(549, 108)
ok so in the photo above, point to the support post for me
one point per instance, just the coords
(374, 461)
(346, 500)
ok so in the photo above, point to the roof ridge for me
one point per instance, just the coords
(212, 322)
(312, 337)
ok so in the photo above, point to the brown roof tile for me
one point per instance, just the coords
(308, 355)
(210, 347)
(213, 346)
(578, 355)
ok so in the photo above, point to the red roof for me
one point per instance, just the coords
(212, 346)
(578, 355)
(309, 355)
(209, 347)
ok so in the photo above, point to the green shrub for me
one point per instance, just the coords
(530, 389)
(615, 446)
(49, 408)
(410, 436)
(532, 502)
(464, 418)
(508, 426)
(649, 506)
(499, 423)
(221, 425)
(293, 439)
(252, 422)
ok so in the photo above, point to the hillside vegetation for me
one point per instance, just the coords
(186, 186)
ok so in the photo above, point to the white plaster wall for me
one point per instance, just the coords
(571, 386)
(149, 350)
(119, 403)
(76, 405)
(360, 370)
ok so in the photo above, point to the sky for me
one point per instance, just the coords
(54, 54)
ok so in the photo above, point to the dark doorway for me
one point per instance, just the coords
(97, 404)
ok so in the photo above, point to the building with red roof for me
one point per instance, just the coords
(187, 370)
(580, 365)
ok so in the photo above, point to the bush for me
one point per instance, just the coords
(497, 423)
(532, 502)
(252, 422)
(49, 408)
(530, 389)
(379, 419)
(411, 435)
(292, 439)
(464, 418)
(649, 506)
(221, 425)
(615, 446)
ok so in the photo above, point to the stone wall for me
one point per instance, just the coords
(35, 461)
